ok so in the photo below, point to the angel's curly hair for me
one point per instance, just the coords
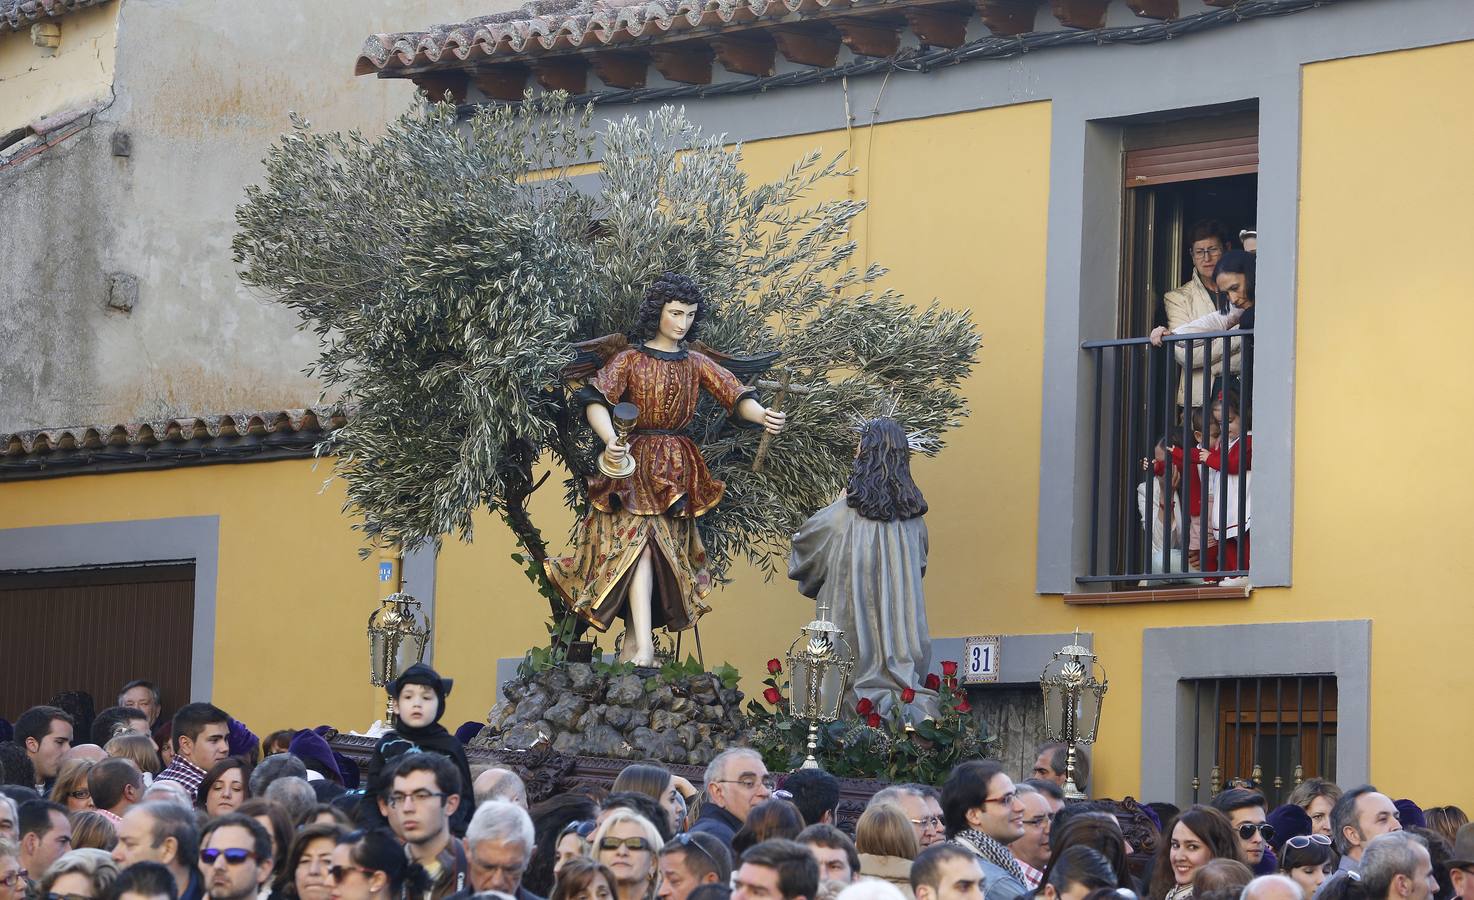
(671, 287)
(880, 485)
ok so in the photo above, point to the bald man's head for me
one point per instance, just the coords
(499, 784)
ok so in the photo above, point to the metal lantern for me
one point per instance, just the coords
(1072, 699)
(819, 668)
(398, 632)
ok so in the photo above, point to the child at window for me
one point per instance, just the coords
(1230, 460)
(1167, 518)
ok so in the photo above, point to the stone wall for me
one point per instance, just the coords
(582, 712)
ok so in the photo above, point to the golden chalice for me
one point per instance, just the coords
(623, 416)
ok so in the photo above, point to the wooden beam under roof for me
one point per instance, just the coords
(1166, 10)
(808, 45)
(1008, 17)
(562, 73)
(939, 27)
(502, 82)
(1084, 14)
(687, 63)
(752, 53)
(869, 37)
(436, 85)
(620, 70)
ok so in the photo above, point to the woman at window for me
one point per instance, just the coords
(629, 845)
(1199, 834)
(1195, 298)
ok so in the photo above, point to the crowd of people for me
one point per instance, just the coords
(210, 809)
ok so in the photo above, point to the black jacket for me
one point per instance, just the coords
(718, 823)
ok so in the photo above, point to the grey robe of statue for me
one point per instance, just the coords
(869, 574)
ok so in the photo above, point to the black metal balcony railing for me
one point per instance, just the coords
(1160, 512)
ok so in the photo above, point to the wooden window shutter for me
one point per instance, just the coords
(1192, 150)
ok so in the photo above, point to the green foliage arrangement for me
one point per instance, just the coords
(447, 267)
(865, 743)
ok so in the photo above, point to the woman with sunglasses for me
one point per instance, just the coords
(1199, 834)
(371, 865)
(1307, 860)
(629, 845)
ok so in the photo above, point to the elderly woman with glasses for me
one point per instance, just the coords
(629, 845)
(80, 875)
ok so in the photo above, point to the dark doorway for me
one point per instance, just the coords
(94, 630)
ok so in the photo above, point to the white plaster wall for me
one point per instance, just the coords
(202, 88)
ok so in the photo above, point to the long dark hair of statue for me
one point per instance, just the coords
(671, 287)
(880, 485)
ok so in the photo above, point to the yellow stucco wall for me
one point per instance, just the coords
(959, 211)
(36, 82)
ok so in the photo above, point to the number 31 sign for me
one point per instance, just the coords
(980, 662)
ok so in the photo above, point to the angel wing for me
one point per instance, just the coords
(591, 355)
(744, 367)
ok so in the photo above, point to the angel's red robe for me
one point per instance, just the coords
(656, 506)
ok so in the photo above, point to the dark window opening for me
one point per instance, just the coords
(94, 630)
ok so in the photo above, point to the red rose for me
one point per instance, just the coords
(772, 696)
(963, 706)
(908, 695)
(932, 681)
(874, 720)
(864, 707)
(949, 668)
(774, 666)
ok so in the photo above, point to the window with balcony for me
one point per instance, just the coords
(1169, 439)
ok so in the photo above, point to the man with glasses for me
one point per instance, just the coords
(1461, 864)
(1031, 851)
(424, 791)
(690, 860)
(983, 813)
(1207, 241)
(736, 781)
(163, 832)
(912, 803)
(235, 857)
(1246, 813)
(499, 845)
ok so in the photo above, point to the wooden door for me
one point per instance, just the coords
(94, 630)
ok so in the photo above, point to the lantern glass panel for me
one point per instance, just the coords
(798, 694)
(1055, 713)
(1089, 710)
(411, 650)
(378, 654)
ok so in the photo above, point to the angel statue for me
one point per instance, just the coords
(637, 554)
(864, 556)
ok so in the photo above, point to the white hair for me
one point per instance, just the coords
(620, 816)
(167, 790)
(1271, 887)
(871, 889)
(97, 865)
(718, 764)
(501, 822)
